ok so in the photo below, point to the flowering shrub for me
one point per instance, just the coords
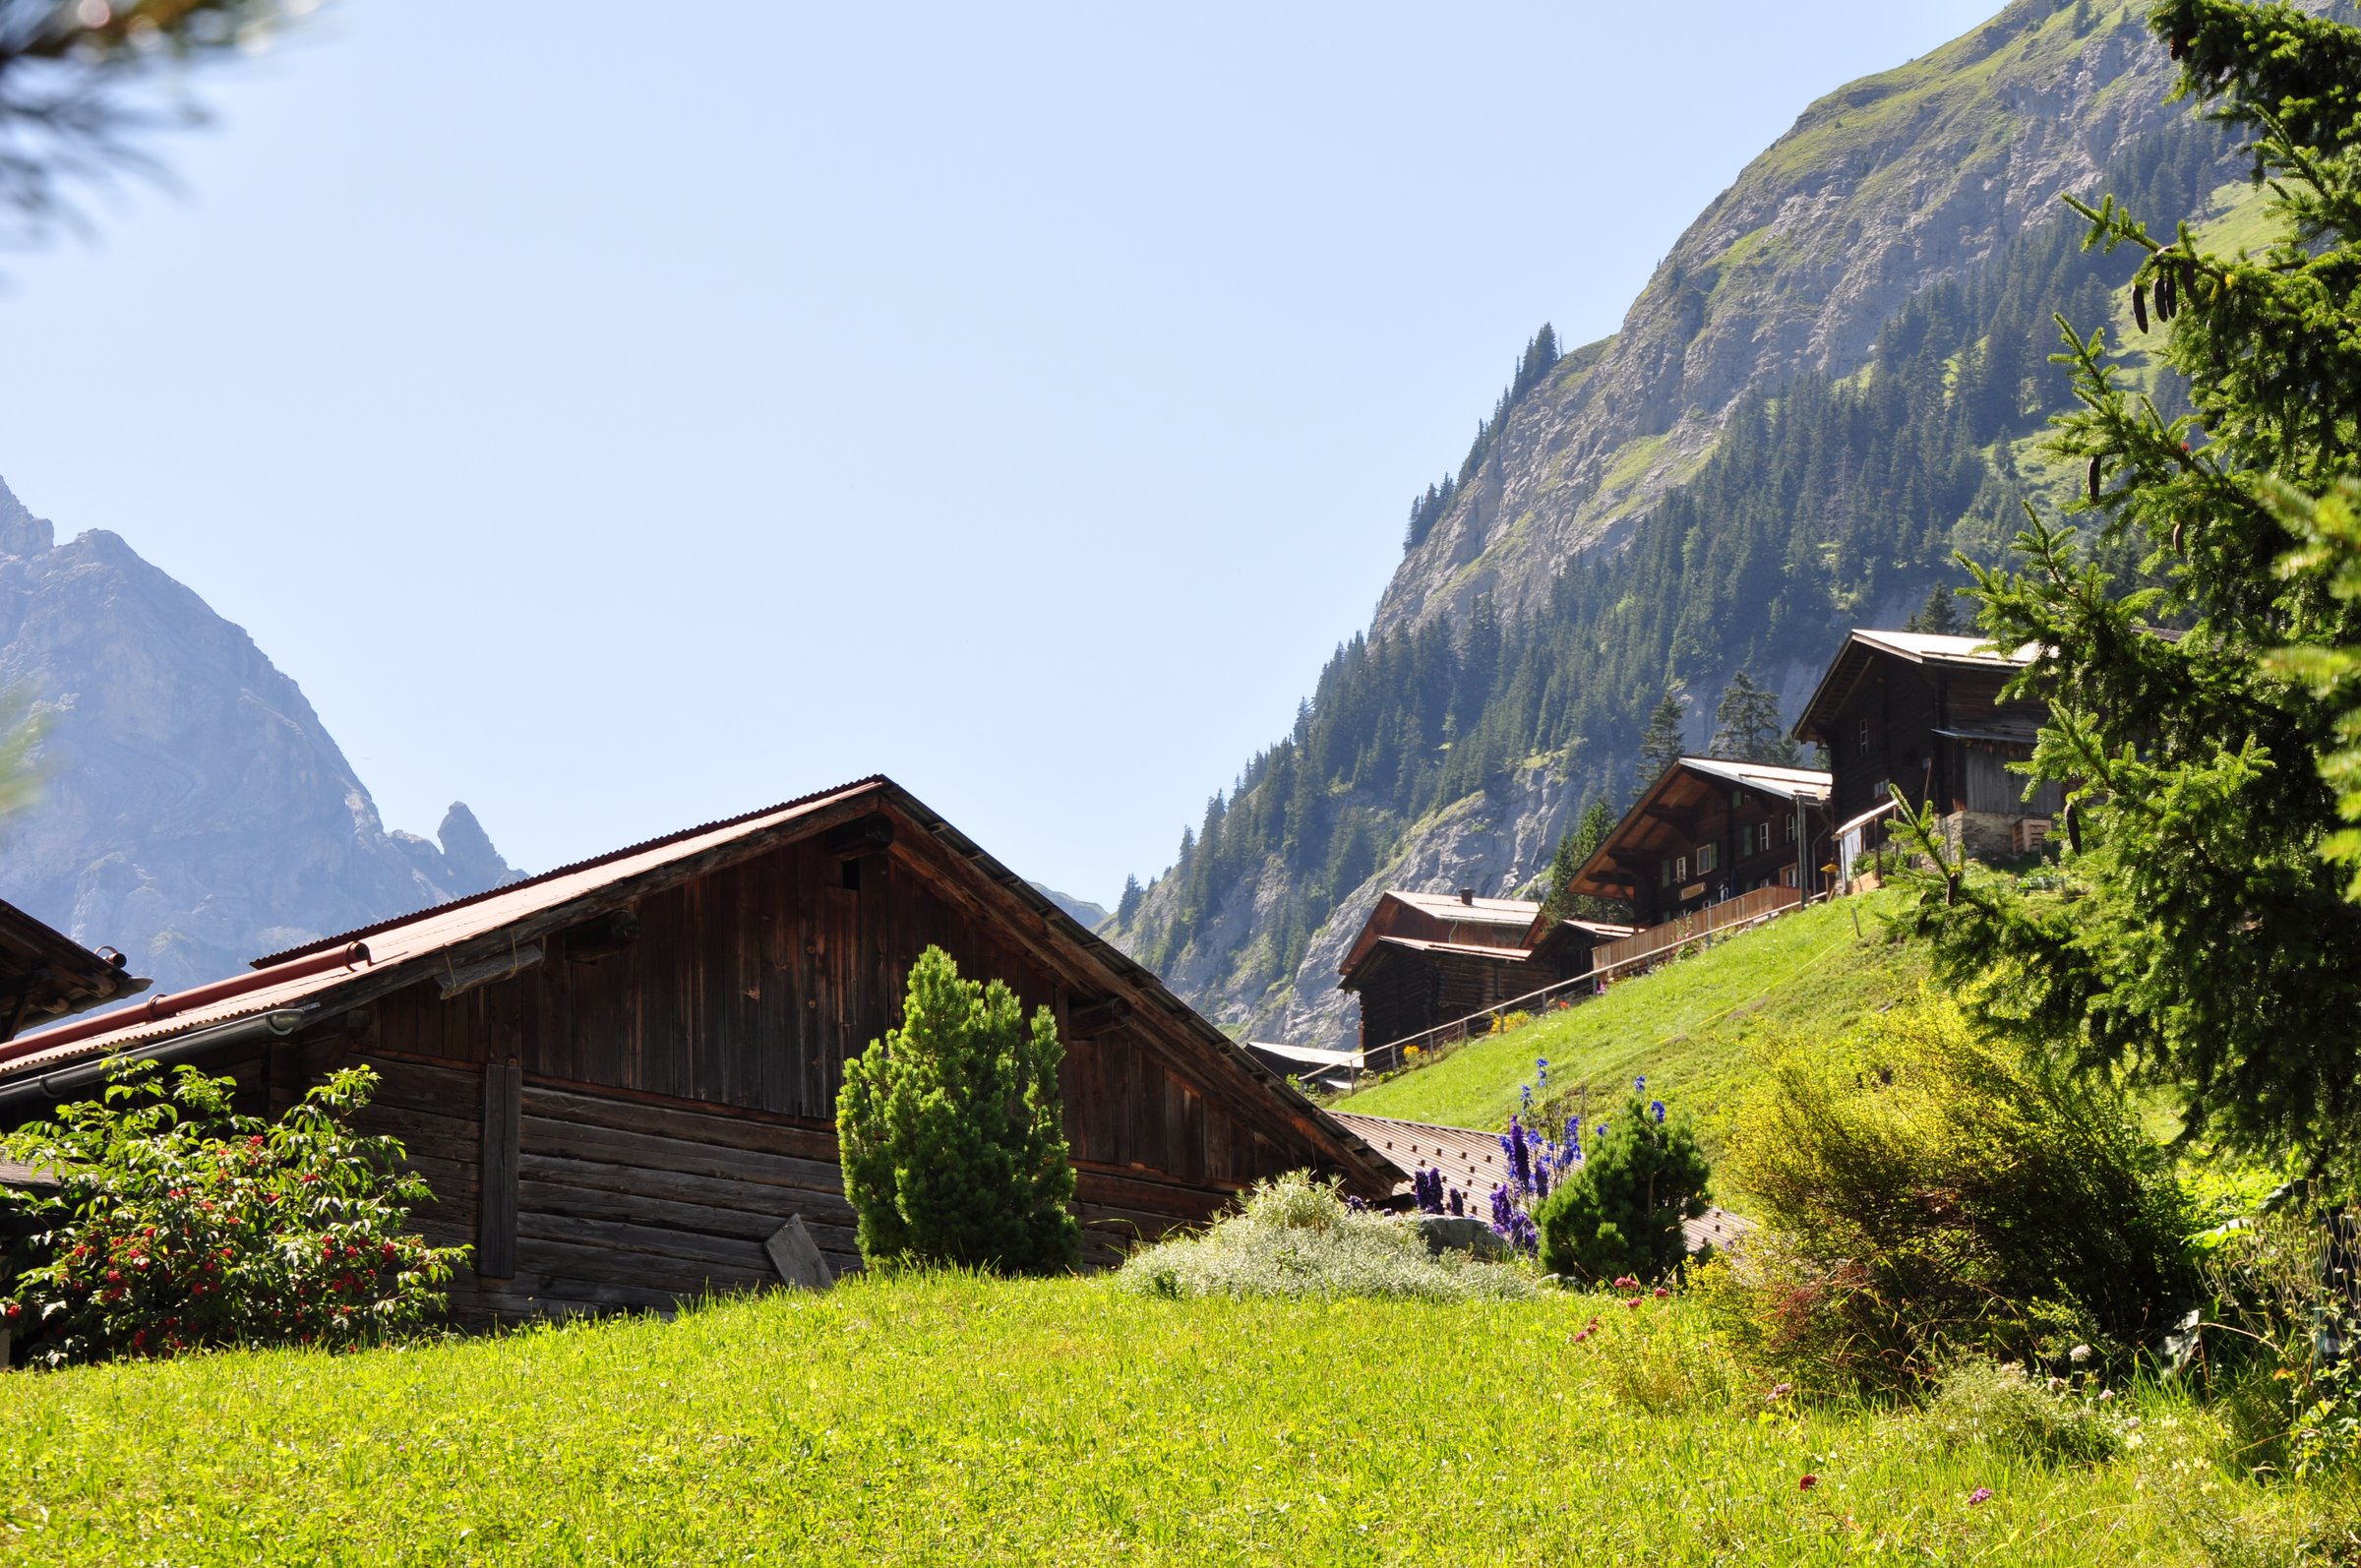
(2062, 1418)
(178, 1224)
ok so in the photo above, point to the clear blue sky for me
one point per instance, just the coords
(618, 426)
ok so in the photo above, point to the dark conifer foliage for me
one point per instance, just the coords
(1748, 727)
(1664, 742)
(1825, 499)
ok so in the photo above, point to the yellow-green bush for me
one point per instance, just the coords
(1926, 1194)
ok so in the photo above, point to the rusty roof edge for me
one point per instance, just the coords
(358, 932)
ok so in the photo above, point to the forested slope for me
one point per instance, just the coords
(1451, 744)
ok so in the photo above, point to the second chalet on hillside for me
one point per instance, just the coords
(1426, 960)
(1923, 713)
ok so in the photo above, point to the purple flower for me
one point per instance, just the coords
(1982, 1494)
(1525, 1095)
(1520, 1155)
(1540, 1065)
(1427, 1187)
(1457, 1202)
(1639, 1085)
(1354, 1203)
(1658, 1106)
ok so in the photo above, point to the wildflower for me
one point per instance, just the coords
(2078, 1354)
(1633, 1301)
(1540, 1067)
(1979, 1496)
(1658, 1106)
(1808, 1481)
(12, 1311)
(1639, 1085)
(1662, 1292)
(1525, 1095)
(1779, 1392)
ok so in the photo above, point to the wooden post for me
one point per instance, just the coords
(495, 1226)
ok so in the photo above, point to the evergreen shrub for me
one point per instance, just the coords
(1293, 1235)
(1621, 1210)
(952, 1131)
(177, 1223)
(1926, 1194)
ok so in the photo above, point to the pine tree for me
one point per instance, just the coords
(2200, 941)
(1129, 905)
(1663, 745)
(1748, 727)
(1939, 616)
(1621, 1211)
(1574, 849)
(953, 1132)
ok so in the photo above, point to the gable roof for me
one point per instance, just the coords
(45, 973)
(1863, 646)
(1645, 830)
(350, 969)
(1518, 914)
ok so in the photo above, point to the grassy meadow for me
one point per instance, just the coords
(952, 1419)
(1688, 1026)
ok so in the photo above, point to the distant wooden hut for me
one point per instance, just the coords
(1423, 961)
(620, 1076)
(1923, 713)
(1708, 831)
(46, 974)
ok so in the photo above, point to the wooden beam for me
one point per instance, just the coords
(504, 1120)
(863, 836)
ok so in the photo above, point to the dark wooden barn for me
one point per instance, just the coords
(1925, 713)
(46, 974)
(621, 1078)
(1427, 960)
(1708, 831)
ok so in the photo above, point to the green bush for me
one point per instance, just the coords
(177, 1225)
(1926, 1194)
(952, 1131)
(1621, 1212)
(1997, 1405)
(2279, 1341)
(1293, 1235)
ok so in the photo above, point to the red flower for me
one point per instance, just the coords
(1633, 1301)
(1662, 1292)
(1809, 1482)
(13, 1312)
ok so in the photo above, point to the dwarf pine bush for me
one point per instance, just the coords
(1293, 1237)
(178, 1225)
(953, 1131)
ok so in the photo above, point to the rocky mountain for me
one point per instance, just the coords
(1089, 915)
(1836, 380)
(191, 809)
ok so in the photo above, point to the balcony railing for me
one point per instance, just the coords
(1652, 945)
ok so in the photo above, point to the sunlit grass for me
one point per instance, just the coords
(1688, 1026)
(954, 1419)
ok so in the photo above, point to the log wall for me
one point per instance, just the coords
(675, 1098)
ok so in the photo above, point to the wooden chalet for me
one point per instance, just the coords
(1425, 961)
(46, 974)
(1923, 713)
(1710, 831)
(621, 1078)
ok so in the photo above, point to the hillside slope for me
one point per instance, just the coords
(1691, 1028)
(1836, 382)
(193, 809)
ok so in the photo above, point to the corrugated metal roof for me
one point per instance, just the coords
(1920, 647)
(742, 820)
(1490, 910)
(1472, 1161)
(1514, 955)
(434, 930)
(1794, 783)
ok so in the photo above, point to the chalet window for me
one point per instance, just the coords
(1790, 821)
(1864, 746)
(1664, 877)
(1680, 867)
(1787, 876)
(1709, 856)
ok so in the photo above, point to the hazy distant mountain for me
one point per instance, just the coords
(1089, 914)
(194, 812)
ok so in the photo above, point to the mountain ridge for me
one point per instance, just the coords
(1725, 483)
(193, 811)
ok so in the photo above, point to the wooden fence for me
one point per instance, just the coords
(1652, 945)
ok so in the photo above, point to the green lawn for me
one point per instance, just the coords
(1688, 1026)
(952, 1419)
